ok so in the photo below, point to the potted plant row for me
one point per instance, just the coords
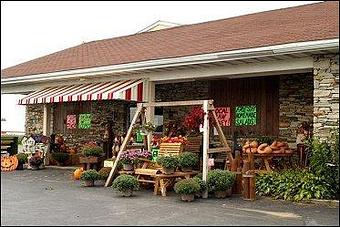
(125, 184)
(187, 188)
(220, 182)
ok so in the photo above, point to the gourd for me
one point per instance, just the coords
(261, 148)
(77, 173)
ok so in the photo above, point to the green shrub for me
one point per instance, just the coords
(187, 159)
(104, 173)
(324, 161)
(168, 161)
(293, 185)
(187, 186)
(92, 151)
(125, 182)
(89, 175)
(220, 180)
(198, 179)
(22, 158)
(60, 157)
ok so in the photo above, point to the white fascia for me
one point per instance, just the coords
(300, 47)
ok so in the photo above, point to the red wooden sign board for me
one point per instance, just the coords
(223, 115)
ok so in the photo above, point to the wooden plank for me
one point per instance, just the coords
(126, 139)
(176, 103)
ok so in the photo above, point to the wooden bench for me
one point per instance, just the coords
(9, 145)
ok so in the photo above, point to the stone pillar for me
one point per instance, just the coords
(326, 95)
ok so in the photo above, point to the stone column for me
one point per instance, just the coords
(326, 95)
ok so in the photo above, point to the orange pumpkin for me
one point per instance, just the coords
(9, 163)
(77, 173)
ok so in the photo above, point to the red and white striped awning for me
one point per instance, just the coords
(130, 90)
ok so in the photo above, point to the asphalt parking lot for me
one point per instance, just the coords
(51, 197)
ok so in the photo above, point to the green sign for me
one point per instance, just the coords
(85, 121)
(154, 152)
(139, 137)
(245, 115)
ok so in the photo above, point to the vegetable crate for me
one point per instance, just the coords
(170, 148)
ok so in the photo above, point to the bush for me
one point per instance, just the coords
(125, 182)
(22, 158)
(92, 151)
(220, 180)
(293, 185)
(89, 175)
(104, 173)
(60, 157)
(187, 186)
(198, 179)
(187, 159)
(168, 161)
(324, 161)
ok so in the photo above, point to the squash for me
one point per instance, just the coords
(254, 144)
(274, 146)
(77, 173)
(268, 150)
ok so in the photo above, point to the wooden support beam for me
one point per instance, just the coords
(150, 111)
(47, 120)
(126, 139)
(177, 103)
(205, 145)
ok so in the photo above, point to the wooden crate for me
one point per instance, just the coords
(170, 148)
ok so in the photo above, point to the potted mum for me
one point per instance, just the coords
(220, 182)
(128, 158)
(91, 154)
(22, 159)
(125, 184)
(60, 158)
(89, 176)
(169, 163)
(187, 160)
(202, 184)
(187, 188)
(103, 174)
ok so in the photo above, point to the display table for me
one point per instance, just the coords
(163, 181)
(267, 158)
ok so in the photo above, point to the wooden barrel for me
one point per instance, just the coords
(248, 187)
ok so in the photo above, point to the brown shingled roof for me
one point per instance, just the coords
(302, 23)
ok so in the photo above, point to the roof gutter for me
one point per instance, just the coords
(300, 47)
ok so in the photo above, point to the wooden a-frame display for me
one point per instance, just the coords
(208, 107)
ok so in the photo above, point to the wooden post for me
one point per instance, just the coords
(47, 120)
(205, 145)
(150, 111)
(126, 139)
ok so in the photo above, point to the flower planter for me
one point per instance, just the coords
(127, 167)
(20, 166)
(168, 170)
(90, 159)
(88, 183)
(127, 193)
(188, 198)
(186, 169)
(222, 194)
(100, 182)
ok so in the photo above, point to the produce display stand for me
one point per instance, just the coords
(208, 109)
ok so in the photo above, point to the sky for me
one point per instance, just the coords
(34, 29)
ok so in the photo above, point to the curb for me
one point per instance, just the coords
(62, 167)
(324, 202)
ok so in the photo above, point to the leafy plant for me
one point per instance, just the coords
(125, 182)
(104, 173)
(22, 158)
(220, 180)
(293, 185)
(60, 157)
(92, 151)
(187, 159)
(187, 186)
(89, 175)
(198, 179)
(168, 161)
(129, 156)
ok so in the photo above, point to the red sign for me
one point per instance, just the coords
(223, 115)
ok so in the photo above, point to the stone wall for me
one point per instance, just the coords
(296, 104)
(195, 90)
(34, 118)
(326, 95)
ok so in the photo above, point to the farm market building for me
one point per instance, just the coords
(273, 70)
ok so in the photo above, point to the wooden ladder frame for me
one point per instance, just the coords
(208, 107)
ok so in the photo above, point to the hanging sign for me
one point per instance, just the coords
(245, 115)
(85, 121)
(154, 153)
(71, 121)
(223, 115)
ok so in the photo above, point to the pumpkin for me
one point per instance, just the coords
(77, 173)
(9, 163)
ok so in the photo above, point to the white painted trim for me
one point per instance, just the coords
(159, 22)
(180, 61)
